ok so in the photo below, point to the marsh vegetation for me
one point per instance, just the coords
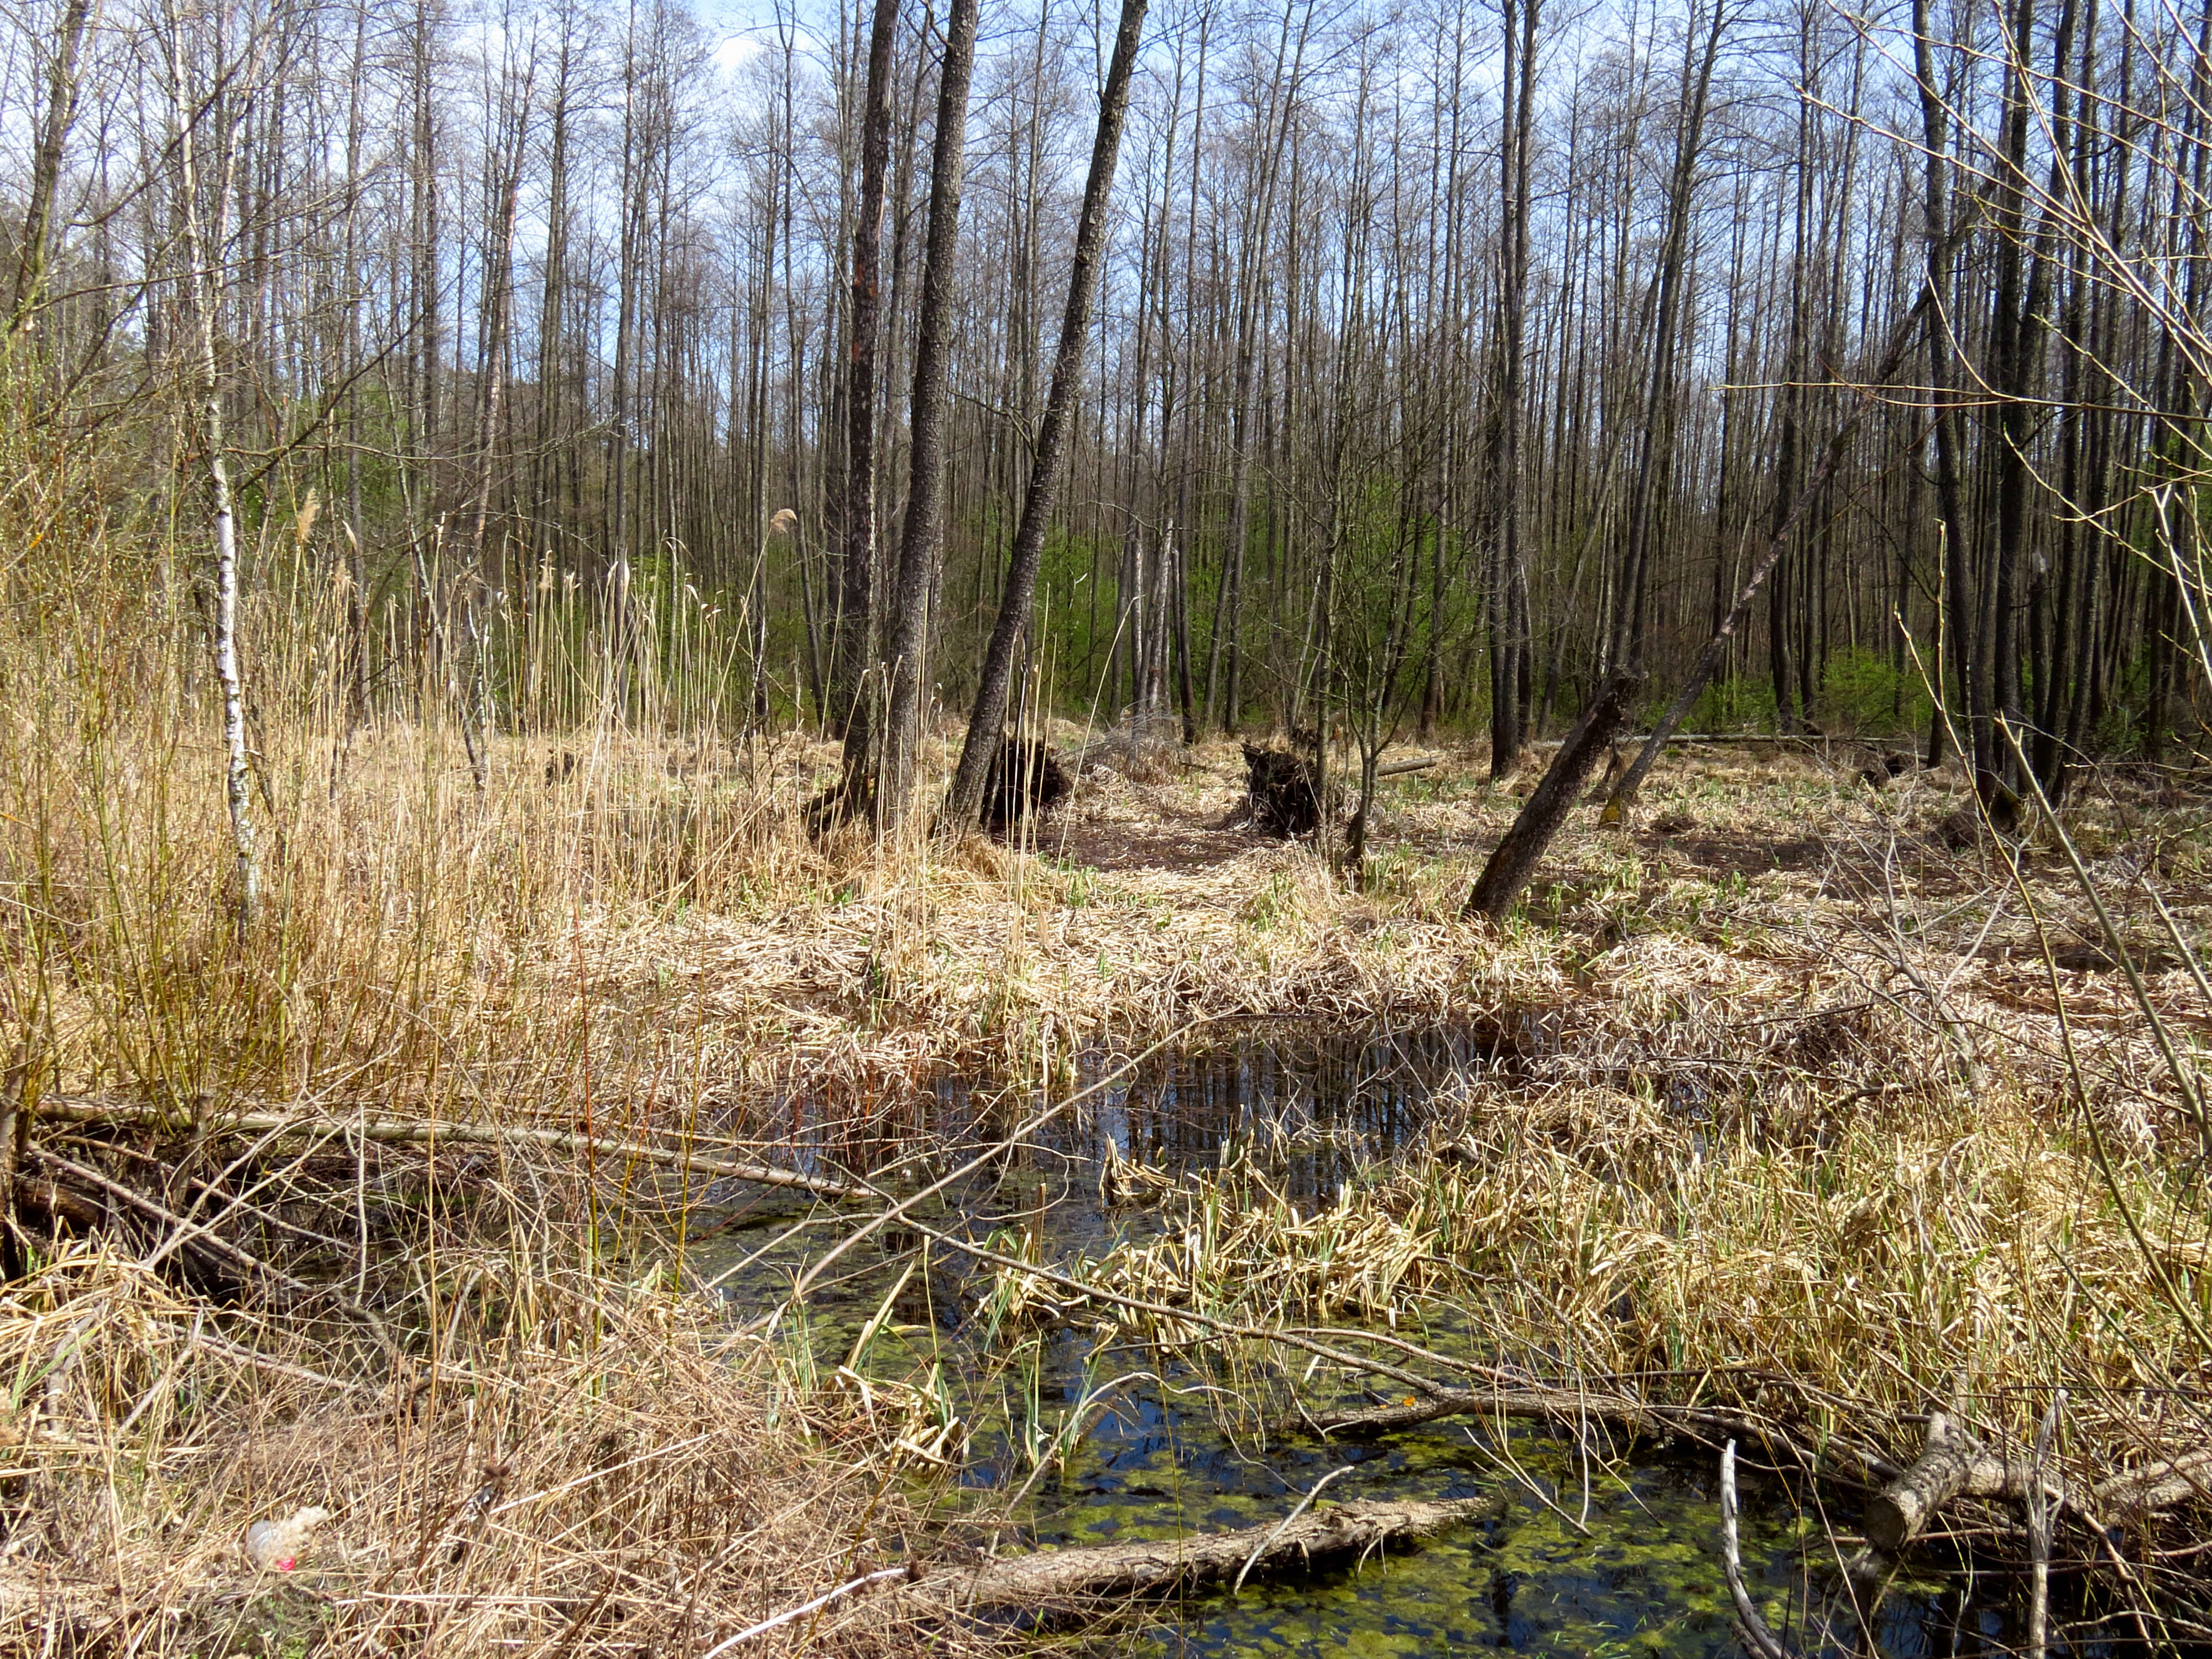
(1783, 1112)
(1415, 856)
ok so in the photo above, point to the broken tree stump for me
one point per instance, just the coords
(1025, 778)
(1062, 1577)
(1285, 803)
(1546, 811)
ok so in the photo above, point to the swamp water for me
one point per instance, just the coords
(1576, 1556)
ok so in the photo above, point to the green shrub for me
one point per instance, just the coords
(1734, 704)
(1863, 691)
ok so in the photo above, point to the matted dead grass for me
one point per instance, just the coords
(579, 1467)
(1795, 1095)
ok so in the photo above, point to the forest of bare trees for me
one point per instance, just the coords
(1442, 359)
(530, 531)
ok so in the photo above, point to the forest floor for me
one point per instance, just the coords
(1819, 1091)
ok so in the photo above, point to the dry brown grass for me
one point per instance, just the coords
(1795, 1096)
(1812, 1114)
(580, 1467)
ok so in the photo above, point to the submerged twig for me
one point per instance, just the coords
(1284, 1525)
(1759, 1639)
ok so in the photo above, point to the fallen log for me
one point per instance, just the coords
(1554, 1404)
(1061, 1576)
(2163, 1485)
(1956, 1465)
(1577, 1408)
(1804, 739)
(1503, 1393)
(1953, 1465)
(414, 1132)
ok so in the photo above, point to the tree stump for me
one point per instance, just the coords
(1025, 777)
(1285, 803)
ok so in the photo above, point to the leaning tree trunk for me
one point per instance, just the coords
(922, 538)
(1515, 861)
(965, 797)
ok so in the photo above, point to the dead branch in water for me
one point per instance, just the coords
(1504, 1393)
(1757, 1636)
(1060, 1576)
(1956, 1465)
(414, 1132)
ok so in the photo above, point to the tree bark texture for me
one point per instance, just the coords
(921, 546)
(853, 649)
(1546, 811)
(1049, 465)
(1058, 1578)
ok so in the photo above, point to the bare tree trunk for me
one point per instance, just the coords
(1656, 440)
(505, 181)
(1957, 634)
(853, 651)
(1252, 260)
(46, 165)
(965, 798)
(1508, 644)
(203, 248)
(921, 545)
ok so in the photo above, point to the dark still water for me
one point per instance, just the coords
(1581, 1553)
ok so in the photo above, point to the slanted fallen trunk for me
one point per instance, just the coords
(2165, 1484)
(1060, 1577)
(1541, 818)
(1916, 1492)
(1400, 769)
(1954, 1464)
(1563, 1405)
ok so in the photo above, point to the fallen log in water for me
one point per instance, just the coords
(1567, 1406)
(1105, 1571)
(698, 1159)
(1955, 1465)
(1916, 1492)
